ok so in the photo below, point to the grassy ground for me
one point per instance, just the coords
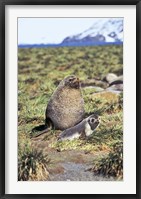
(40, 71)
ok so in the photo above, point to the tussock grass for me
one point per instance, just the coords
(112, 165)
(32, 164)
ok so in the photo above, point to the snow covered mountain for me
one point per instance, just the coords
(103, 30)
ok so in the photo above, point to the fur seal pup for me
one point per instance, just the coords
(66, 106)
(83, 129)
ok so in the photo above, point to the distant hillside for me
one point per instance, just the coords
(104, 30)
(68, 44)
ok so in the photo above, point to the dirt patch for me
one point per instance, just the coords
(56, 169)
(69, 165)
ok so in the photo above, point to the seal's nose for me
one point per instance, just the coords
(75, 80)
(97, 120)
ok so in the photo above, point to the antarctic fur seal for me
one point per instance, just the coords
(66, 106)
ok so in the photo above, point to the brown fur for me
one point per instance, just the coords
(66, 106)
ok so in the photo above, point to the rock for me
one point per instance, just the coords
(96, 89)
(110, 97)
(115, 83)
(115, 87)
(110, 77)
(118, 80)
(93, 82)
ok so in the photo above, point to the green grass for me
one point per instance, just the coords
(39, 72)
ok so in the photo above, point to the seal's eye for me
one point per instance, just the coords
(70, 80)
(92, 120)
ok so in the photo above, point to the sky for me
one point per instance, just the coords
(50, 30)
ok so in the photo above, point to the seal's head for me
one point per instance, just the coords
(72, 81)
(93, 121)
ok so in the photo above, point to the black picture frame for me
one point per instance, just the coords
(3, 3)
